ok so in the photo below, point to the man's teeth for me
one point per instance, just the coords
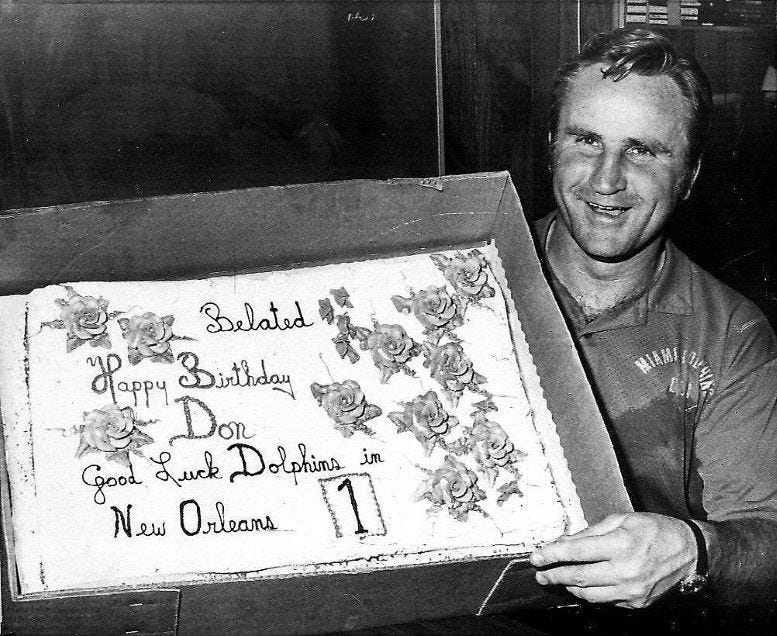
(606, 208)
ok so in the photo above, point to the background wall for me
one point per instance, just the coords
(114, 100)
(499, 59)
(118, 100)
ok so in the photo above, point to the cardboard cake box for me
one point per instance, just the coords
(291, 228)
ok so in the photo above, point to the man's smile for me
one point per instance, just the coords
(608, 208)
(612, 211)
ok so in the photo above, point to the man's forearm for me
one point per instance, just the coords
(743, 559)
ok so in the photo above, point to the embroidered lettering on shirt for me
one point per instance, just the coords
(687, 358)
(747, 325)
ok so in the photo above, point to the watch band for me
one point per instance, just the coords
(695, 582)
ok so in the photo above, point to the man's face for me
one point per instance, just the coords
(619, 161)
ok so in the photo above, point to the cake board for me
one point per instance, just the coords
(197, 235)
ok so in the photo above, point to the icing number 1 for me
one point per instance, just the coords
(347, 484)
(353, 505)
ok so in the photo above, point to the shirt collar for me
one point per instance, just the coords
(671, 293)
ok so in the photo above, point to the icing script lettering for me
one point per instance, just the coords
(220, 455)
(222, 323)
(122, 521)
(240, 375)
(191, 522)
(91, 477)
(208, 472)
(104, 382)
(193, 517)
(254, 464)
(225, 430)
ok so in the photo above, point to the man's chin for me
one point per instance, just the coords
(602, 249)
(618, 254)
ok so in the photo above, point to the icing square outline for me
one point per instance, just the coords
(338, 531)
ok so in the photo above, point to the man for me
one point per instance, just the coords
(685, 369)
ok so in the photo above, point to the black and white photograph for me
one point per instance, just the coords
(379, 318)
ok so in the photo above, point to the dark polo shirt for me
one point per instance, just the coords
(686, 377)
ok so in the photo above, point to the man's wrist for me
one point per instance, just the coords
(698, 578)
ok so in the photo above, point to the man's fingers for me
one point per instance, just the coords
(628, 560)
(606, 525)
(577, 550)
(606, 594)
(587, 575)
(549, 553)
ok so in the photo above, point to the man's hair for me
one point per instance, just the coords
(642, 52)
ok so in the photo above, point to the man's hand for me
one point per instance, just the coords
(627, 559)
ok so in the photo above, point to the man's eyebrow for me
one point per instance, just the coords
(577, 131)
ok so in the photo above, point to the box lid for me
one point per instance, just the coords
(196, 235)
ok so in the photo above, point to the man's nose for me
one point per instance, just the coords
(608, 176)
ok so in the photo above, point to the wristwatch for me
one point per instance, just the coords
(695, 582)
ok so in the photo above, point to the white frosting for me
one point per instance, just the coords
(69, 533)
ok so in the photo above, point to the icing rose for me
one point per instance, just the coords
(426, 418)
(345, 403)
(109, 428)
(454, 486)
(112, 430)
(434, 308)
(148, 336)
(85, 319)
(492, 448)
(450, 366)
(430, 414)
(391, 349)
(467, 273)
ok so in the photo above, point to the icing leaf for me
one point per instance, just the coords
(362, 334)
(73, 342)
(402, 304)
(344, 325)
(341, 297)
(440, 260)
(326, 311)
(507, 490)
(486, 404)
(344, 348)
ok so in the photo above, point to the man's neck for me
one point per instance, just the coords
(599, 286)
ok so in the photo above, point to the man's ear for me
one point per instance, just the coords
(549, 150)
(692, 179)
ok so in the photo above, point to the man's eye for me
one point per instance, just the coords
(640, 151)
(588, 140)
